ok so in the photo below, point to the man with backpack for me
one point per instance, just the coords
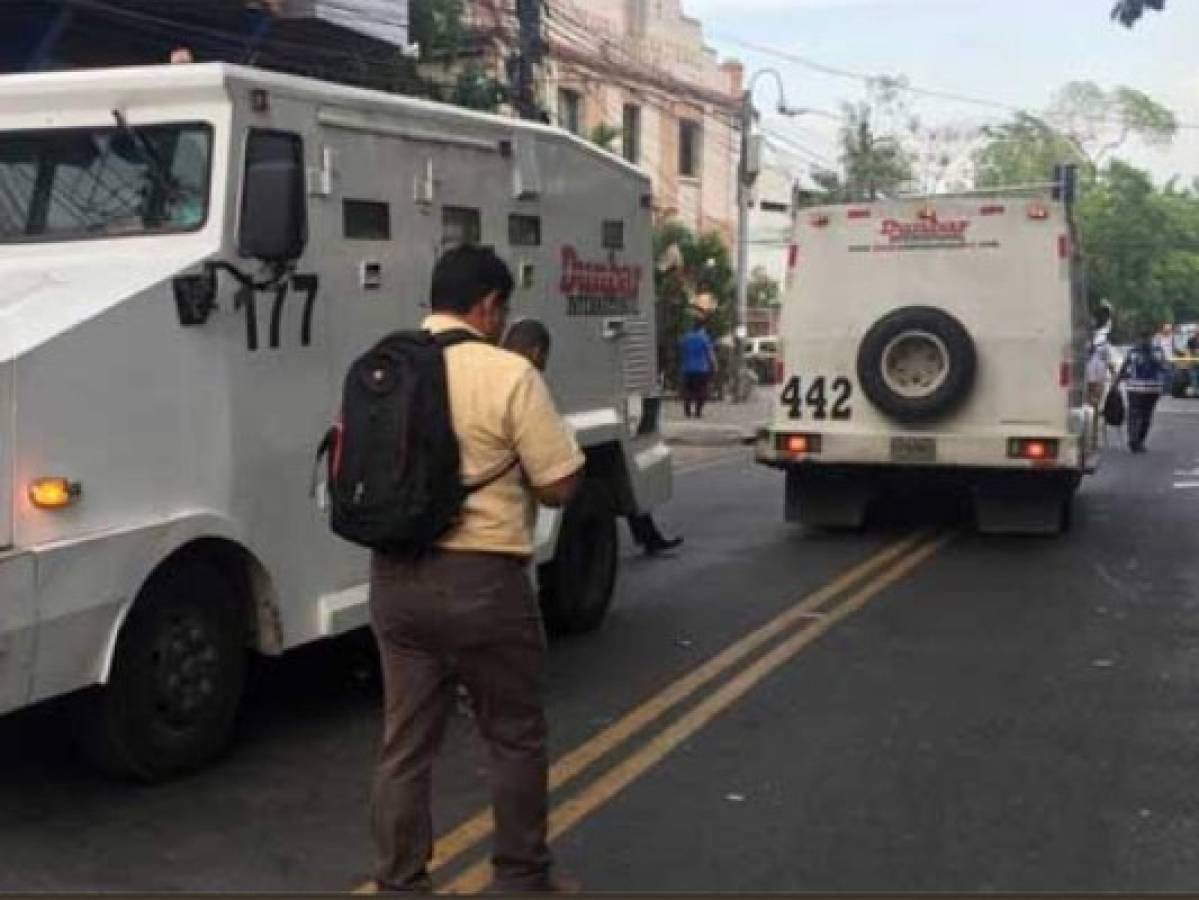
(461, 609)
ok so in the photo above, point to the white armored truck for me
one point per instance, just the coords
(935, 338)
(190, 257)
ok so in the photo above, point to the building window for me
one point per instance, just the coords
(524, 231)
(690, 148)
(460, 225)
(570, 110)
(366, 220)
(613, 234)
(630, 133)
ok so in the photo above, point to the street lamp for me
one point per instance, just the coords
(747, 173)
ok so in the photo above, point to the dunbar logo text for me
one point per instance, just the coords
(925, 231)
(598, 288)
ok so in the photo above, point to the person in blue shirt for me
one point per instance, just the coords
(698, 363)
(1144, 370)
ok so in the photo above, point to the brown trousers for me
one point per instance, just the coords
(469, 618)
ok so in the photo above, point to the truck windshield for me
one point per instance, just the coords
(77, 183)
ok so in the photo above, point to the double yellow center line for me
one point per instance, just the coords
(797, 627)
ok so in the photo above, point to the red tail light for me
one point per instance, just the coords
(1065, 376)
(793, 257)
(1063, 247)
(1033, 449)
(995, 210)
(797, 445)
(858, 214)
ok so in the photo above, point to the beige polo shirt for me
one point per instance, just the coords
(501, 408)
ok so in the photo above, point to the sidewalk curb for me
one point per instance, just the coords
(707, 436)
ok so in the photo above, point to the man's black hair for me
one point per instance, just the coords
(528, 334)
(465, 275)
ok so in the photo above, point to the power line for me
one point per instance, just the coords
(898, 84)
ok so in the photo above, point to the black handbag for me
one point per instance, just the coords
(1113, 407)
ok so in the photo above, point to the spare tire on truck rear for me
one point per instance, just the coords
(917, 363)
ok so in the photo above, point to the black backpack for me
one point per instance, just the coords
(394, 476)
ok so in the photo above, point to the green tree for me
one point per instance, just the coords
(604, 135)
(1100, 122)
(689, 265)
(1127, 12)
(1084, 125)
(1141, 247)
(1023, 151)
(763, 290)
(438, 27)
(874, 164)
(475, 89)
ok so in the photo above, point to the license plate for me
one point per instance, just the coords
(913, 450)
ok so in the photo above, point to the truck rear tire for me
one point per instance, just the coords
(171, 700)
(917, 363)
(576, 586)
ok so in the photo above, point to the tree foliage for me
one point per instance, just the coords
(874, 164)
(689, 265)
(437, 26)
(1100, 122)
(1127, 12)
(605, 135)
(1023, 151)
(1141, 245)
(1141, 242)
(763, 290)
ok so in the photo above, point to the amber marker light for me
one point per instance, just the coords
(54, 493)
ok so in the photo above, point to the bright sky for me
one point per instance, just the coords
(1011, 51)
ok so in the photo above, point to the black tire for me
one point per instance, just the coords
(1179, 383)
(576, 586)
(171, 700)
(954, 381)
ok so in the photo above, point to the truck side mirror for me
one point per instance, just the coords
(273, 225)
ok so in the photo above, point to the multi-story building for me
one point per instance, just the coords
(354, 41)
(638, 74)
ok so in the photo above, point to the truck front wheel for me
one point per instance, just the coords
(171, 700)
(576, 586)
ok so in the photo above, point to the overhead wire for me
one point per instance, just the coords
(900, 84)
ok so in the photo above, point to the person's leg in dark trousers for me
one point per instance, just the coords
(1140, 417)
(502, 666)
(688, 394)
(701, 394)
(418, 692)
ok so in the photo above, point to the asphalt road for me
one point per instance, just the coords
(956, 713)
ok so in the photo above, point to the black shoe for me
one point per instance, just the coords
(661, 545)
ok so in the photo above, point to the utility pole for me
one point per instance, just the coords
(529, 54)
(747, 173)
(748, 168)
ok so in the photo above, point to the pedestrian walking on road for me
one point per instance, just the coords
(1144, 370)
(531, 339)
(466, 612)
(698, 363)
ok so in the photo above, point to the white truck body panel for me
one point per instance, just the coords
(178, 434)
